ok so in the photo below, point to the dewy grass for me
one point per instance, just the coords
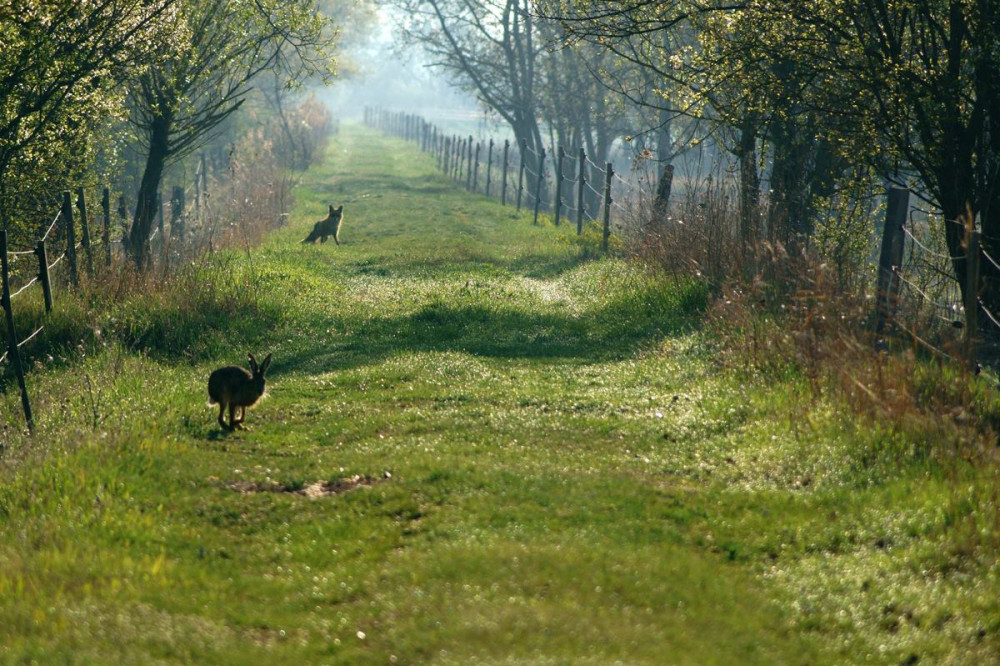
(481, 445)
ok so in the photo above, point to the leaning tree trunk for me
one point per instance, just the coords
(147, 200)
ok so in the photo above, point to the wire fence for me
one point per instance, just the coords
(70, 221)
(570, 187)
(917, 294)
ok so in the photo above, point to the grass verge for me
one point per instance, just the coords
(480, 446)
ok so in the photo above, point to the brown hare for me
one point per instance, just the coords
(233, 387)
(328, 227)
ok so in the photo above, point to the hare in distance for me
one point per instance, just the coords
(328, 227)
(234, 387)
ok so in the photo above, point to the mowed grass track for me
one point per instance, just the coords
(480, 445)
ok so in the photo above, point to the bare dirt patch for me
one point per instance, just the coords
(313, 490)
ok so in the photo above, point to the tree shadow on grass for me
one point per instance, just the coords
(361, 186)
(616, 330)
(471, 265)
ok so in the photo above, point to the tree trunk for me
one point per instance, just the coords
(749, 185)
(146, 204)
(988, 96)
(789, 220)
(664, 141)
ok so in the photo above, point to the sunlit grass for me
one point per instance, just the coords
(556, 469)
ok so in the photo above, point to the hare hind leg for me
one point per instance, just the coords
(232, 417)
(222, 411)
(234, 422)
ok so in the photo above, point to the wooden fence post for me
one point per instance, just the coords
(475, 173)
(520, 173)
(489, 167)
(467, 161)
(123, 216)
(541, 177)
(559, 180)
(607, 206)
(971, 296)
(446, 156)
(581, 176)
(12, 342)
(503, 189)
(43, 274)
(81, 205)
(468, 170)
(177, 212)
(890, 258)
(70, 237)
(106, 229)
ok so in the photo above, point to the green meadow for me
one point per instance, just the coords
(483, 443)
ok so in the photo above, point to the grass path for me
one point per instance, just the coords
(479, 447)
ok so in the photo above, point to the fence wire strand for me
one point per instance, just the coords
(595, 191)
(28, 339)
(54, 263)
(52, 226)
(933, 253)
(990, 258)
(920, 291)
(628, 186)
(24, 288)
(989, 315)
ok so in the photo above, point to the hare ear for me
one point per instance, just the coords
(265, 363)
(253, 362)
